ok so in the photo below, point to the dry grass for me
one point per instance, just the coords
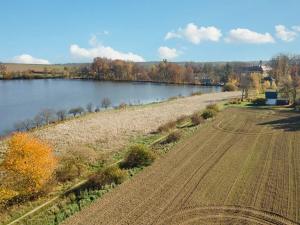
(111, 130)
(167, 126)
(242, 169)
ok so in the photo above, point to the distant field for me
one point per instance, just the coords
(244, 168)
(12, 67)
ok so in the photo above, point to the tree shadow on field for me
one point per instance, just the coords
(291, 123)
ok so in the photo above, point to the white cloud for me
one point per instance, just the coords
(196, 34)
(296, 28)
(244, 35)
(168, 53)
(99, 50)
(28, 59)
(171, 35)
(285, 34)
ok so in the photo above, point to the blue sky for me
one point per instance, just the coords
(62, 31)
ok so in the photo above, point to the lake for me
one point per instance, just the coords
(23, 99)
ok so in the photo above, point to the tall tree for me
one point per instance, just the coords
(30, 161)
(280, 68)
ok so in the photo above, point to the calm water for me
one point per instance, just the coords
(23, 99)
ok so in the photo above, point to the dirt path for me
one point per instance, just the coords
(110, 130)
(234, 171)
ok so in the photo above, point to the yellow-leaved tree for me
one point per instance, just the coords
(30, 162)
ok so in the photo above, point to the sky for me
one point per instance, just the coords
(71, 31)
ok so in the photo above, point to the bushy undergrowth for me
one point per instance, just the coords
(208, 113)
(173, 137)
(229, 87)
(138, 156)
(235, 101)
(214, 107)
(70, 169)
(196, 118)
(112, 174)
(182, 118)
(167, 126)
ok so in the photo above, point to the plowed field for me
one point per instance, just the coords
(242, 168)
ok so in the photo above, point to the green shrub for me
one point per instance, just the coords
(214, 107)
(196, 119)
(173, 137)
(71, 167)
(112, 174)
(259, 101)
(138, 156)
(235, 101)
(229, 87)
(208, 113)
(167, 126)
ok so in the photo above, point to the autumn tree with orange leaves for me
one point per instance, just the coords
(30, 162)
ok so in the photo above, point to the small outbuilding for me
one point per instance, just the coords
(271, 97)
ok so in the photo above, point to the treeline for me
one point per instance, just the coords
(164, 71)
(286, 71)
(282, 67)
(119, 70)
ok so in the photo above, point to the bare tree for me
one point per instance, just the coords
(38, 120)
(89, 107)
(245, 83)
(289, 89)
(19, 126)
(47, 115)
(61, 114)
(106, 102)
(24, 125)
(80, 110)
(75, 111)
(280, 67)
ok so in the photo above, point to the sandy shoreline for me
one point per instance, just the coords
(110, 130)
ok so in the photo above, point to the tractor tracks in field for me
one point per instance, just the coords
(181, 187)
(205, 213)
(218, 155)
(167, 186)
(219, 126)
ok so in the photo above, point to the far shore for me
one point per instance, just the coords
(110, 130)
(43, 77)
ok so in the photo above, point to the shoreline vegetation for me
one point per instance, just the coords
(206, 74)
(114, 123)
(81, 191)
(48, 116)
(43, 77)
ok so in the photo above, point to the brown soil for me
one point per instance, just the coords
(243, 168)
